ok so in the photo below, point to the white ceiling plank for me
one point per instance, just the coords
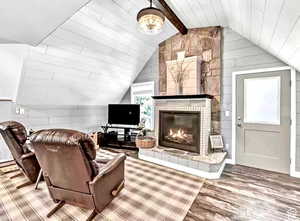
(227, 11)
(182, 11)
(209, 13)
(288, 20)
(271, 19)
(292, 44)
(219, 12)
(92, 58)
(31, 21)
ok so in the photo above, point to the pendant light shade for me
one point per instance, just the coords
(151, 20)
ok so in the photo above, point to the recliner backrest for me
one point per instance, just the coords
(66, 158)
(14, 135)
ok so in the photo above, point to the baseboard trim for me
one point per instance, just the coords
(295, 174)
(229, 161)
(203, 174)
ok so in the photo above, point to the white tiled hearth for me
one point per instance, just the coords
(204, 164)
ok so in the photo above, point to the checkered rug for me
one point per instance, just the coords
(151, 192)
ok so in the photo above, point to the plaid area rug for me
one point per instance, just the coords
(151, 192)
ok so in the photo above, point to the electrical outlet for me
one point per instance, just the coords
(22, 111)
(227, 113)
(227, 146)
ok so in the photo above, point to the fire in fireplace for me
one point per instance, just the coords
(180, 136)
(180, 130)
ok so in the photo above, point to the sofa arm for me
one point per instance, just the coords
(110, 177)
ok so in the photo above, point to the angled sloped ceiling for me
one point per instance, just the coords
(274, 25)
(94, 56)
(31, 21)
(91, 59)
(11, 57)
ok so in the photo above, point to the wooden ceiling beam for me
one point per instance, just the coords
(170, 15)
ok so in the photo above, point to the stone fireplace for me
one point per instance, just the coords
(180, 130)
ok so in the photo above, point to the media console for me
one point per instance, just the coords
(119, 137)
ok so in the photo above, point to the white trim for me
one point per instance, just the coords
(140, 87)
(295, 174)
(262, 70)
(208, 175)
(229, 161)
(144, 86)
(293, 125)
(293, 114)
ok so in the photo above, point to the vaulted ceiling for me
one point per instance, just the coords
(95, 54)
(274, 25)
(31, 21)
(91, 59)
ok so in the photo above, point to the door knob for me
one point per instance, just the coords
(239, 124)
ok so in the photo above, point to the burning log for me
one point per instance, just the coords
(180, 137)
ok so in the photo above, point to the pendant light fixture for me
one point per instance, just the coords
(151, 20)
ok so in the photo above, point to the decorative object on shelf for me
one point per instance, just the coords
(178, 71)
(145, 142)
(151, 20)
(142, 123)
(216, 142)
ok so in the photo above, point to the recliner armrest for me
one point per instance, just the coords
(27, 155)
(109, 180)
(109, 167)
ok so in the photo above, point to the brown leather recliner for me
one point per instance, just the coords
(71, 172)
(15, 136)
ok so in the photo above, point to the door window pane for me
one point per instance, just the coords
(262, 100)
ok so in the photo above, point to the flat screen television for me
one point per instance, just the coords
(128, 114)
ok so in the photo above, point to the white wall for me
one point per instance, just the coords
(84, 118)
(5, 114)
(11, 64)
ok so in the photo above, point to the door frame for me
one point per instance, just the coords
(293, 114)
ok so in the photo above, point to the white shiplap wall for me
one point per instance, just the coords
(91, 59)
(84, 118)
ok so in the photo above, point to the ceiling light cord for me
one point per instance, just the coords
(150, 3)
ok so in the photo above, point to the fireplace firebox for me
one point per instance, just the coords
(180, 130)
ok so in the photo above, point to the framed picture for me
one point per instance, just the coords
(216, 142)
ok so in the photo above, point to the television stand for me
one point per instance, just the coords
(114, 139)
